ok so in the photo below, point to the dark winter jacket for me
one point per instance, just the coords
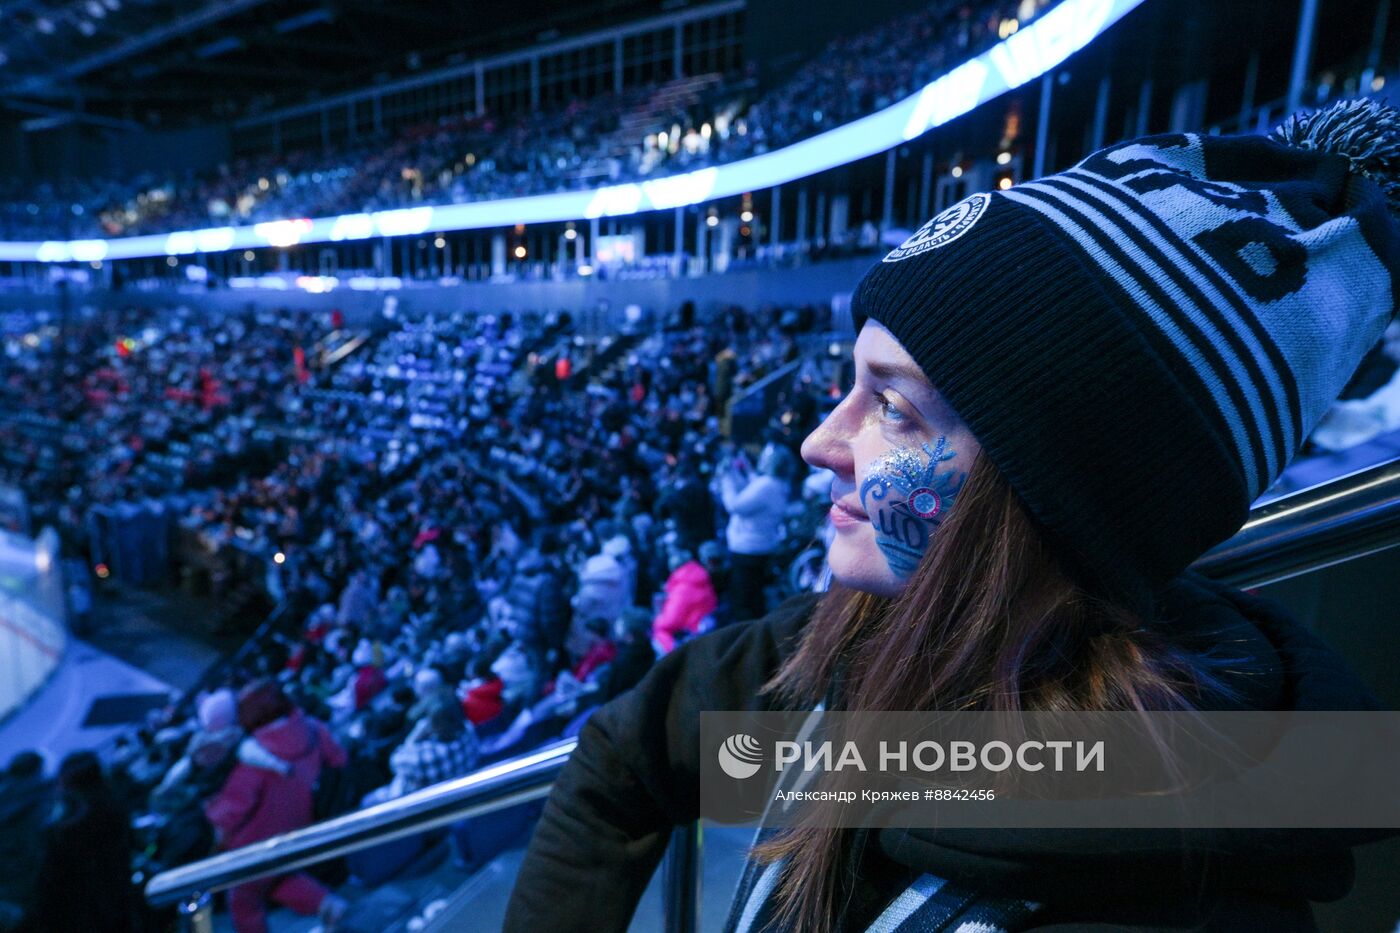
(84, 882)
(692, 507)
(538, 592)
(635, 776)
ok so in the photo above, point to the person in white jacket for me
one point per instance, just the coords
(756, 501)
(605, 586)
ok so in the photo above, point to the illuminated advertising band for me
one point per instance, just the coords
(1023, 56)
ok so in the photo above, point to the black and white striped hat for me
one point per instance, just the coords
(1142, 342)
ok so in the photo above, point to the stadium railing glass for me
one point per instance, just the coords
(1345, 518)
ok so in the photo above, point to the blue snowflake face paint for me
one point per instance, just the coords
(907, 492)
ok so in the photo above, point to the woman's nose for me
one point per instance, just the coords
(828, 446)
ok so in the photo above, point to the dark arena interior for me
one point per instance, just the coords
(415, 416)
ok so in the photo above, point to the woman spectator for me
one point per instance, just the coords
(1002, 545)
(271, 791)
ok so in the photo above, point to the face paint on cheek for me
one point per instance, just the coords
(907, 492)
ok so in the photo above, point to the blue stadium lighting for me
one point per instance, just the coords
(1021, 57)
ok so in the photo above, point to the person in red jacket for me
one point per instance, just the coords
(270, 792)
(483, 701)
(690, 596)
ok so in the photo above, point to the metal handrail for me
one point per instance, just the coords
(497, 787)
(1344, 518)
(1351, 516)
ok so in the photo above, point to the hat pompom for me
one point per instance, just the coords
(1367, 132)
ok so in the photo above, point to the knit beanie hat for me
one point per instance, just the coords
(218, 711)
(1141, 343)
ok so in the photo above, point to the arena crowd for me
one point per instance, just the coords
(476, 529)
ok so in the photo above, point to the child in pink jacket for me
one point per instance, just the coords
(690, 596)
(270, 792)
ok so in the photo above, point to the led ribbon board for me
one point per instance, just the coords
(1024, 56)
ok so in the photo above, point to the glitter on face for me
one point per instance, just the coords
(906, 496)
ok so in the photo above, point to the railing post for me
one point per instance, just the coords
(681, 879)
(1302, 54)
(196, 914)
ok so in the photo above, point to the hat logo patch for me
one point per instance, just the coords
(943, 229)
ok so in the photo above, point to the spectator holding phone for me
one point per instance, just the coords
(755, 500)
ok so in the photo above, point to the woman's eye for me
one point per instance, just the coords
(888, 409)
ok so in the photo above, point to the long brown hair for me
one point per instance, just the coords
(990, 621)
